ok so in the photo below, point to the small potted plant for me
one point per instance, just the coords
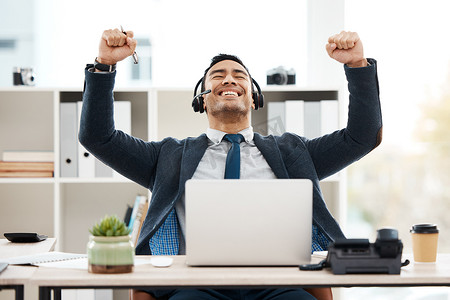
(110, 249)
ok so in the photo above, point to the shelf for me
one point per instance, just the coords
(26, 180)
(94, 180)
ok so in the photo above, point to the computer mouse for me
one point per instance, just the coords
(161, 261)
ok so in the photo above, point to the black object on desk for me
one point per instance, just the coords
(25, 237)
(359, 256)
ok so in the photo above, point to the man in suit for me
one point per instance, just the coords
(164, 166)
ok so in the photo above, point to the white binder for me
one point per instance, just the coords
(305, 118)
(295, 120)
(102, 170)
(276, 118)
(312, 119)
(89, 166)
(69, 139)
(330, 116)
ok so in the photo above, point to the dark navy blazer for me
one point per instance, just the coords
(164, 166)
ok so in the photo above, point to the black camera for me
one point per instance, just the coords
(359, 256)
(280, 76)
(23, 76)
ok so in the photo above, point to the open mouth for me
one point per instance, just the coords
(230, 93)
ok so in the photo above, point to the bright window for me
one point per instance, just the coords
(179, 36)
(407, 179)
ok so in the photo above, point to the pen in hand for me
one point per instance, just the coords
(135, 56)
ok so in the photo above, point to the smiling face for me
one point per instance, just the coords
(231, 91)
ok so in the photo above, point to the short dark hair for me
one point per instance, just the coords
(221, 57)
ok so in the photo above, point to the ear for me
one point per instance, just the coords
(253, 100)
(204, 103)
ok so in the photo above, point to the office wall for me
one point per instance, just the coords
(265, 34)
(17, 42)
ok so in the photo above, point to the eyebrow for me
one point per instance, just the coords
(239, 71)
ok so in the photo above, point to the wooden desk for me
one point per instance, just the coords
(8, 249)
(180, 275)
(14, 277)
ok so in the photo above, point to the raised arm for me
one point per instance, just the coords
(362, 134)
(128, 155)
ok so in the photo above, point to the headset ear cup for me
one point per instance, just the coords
(201, 108)
(197, 102)
(258, 97)
(261, 101)
(195, 105)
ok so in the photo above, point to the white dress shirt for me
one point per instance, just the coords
(212, 166)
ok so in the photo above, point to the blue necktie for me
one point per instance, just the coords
(233, 165)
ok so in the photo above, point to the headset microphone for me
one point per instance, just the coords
(201, 94)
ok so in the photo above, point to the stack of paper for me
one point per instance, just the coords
(26, 169)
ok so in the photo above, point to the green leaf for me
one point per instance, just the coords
(110, 226)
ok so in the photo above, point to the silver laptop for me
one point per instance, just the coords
(248, 222)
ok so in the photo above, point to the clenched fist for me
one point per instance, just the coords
(115, 46)
(347, 48)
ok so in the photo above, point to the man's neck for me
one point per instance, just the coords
(232, 127)
(229, 129)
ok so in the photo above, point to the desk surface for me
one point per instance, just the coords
(14, 275)
(179, 274)
(8, 249)
(19, 274)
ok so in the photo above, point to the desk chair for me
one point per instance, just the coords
(318, 293)
(321, 293)
(139, 295)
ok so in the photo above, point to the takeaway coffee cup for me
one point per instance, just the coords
(425, 241)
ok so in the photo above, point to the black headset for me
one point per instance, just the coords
(197, 102)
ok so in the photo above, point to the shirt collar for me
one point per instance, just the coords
(216, 136)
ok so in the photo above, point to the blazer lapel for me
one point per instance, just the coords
(269, 149)
(193, 151)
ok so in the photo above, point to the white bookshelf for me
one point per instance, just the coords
(66, 208)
